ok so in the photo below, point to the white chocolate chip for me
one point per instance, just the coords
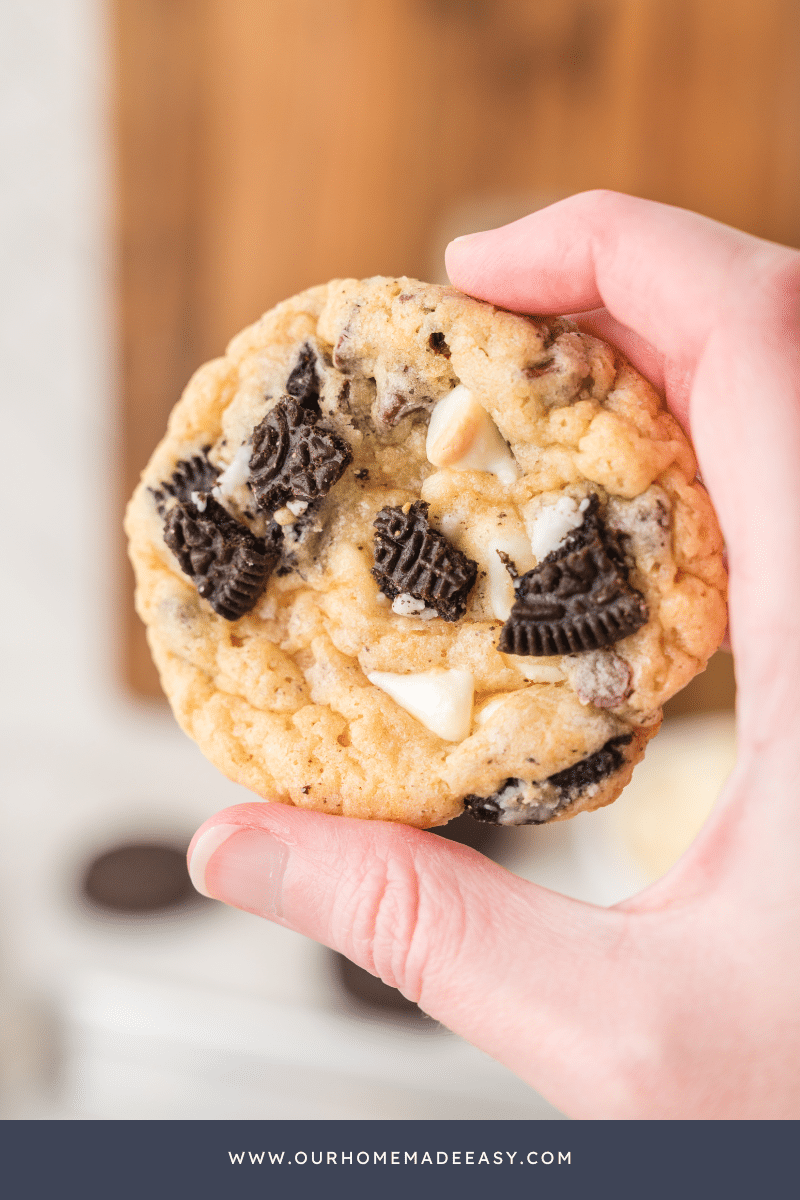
(297, 507)
(462, 435)
(199, 500)
(235, 474)
(266, 608)
(535, 670)
(406, 605)
(490, 708)
(440, 700)
(501, 585)
(553, 523)
(451, 524)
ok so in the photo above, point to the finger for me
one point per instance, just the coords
(640, 353)
(660, 271)
(487, 954)
(746, 426)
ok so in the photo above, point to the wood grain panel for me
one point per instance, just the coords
(265, 145)
(157, 144)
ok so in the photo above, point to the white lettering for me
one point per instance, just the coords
(277, 1157)
(547, 1157)
(567, 1158)
(349, 1157)
(511, 1155)
(532, 1157)
(316, 1161)
(365, 1158)
(426, 1156)
(456, 1158)
(441, 1157)
(331, 1157)
(469, 1156)
(411, 1157)
(484, 1158)
(498, 1157)
(376, 1157)
(236, 1158)
(395, 1158)
(256, 1158)
(301, 1161)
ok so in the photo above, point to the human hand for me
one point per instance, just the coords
(681, 1002)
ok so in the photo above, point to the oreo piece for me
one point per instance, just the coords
(412, 558)
(437, 343)
(228, 565)
(303, 381)
(292, 458)
(577, 598)
(195, 474)
(518, 802)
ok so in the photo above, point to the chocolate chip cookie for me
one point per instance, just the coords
(402, 553)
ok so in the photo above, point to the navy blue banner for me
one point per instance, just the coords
(147, 1160)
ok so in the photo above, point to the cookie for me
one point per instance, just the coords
(402, 553)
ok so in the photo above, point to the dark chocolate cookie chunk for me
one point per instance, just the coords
(517, 802)
(303, 381)
(578, 598)
(227, 564)
(191, 475)
(294, 459)
(411, 558)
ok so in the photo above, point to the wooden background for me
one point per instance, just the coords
(266, 145)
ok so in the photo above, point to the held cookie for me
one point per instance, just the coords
(402, 553)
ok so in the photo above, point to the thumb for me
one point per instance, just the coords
(489, 955)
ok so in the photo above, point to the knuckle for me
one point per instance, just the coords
(392, 915)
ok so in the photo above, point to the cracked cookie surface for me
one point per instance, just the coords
(457, 555)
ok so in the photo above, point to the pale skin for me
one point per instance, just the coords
(683, 1001)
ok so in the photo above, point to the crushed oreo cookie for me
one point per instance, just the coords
(303, 382)
(294, 459)
(518, 802)
(578, 598)
(195, 475)
(412, 558)
(227, 564)
(437, 343)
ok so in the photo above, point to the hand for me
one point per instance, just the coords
(683, 1001)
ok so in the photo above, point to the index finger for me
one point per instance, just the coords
(663, 272)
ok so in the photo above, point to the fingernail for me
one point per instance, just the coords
(247, 873)
(205, 846)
